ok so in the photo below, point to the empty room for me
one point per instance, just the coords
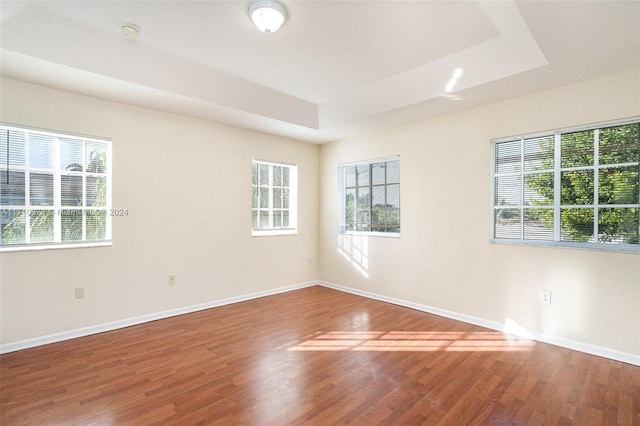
(319, 212)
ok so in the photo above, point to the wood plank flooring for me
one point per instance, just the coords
(313, 356)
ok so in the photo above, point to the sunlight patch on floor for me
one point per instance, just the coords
(412, 341)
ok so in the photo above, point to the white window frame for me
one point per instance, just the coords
(57, 206)
(342, 187)
(270, 230)
(557, 206)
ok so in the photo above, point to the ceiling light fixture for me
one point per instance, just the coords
(130, 30)
(267, 15)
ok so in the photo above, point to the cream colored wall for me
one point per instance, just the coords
(187, 186)
(444, 259)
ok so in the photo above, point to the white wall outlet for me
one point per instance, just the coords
(545, 297)
(79, 292)
(172, 279)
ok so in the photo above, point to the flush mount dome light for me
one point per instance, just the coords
(130, 30)
(267, 15)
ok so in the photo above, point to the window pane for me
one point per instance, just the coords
(254, 173)
(378, 173)
(41, 226)
(41, 189)
(285, 219)
(71, 155)
(41, 151)
(363, 175)
(577, 187)
(363, 198)
(96, 191)
(264, 197)
(620, 144)
(96, 157)
(71, 225)
(538, 224)
(508, 190)
(285, 198)
(508, 223)
(362, 227)
(277, 176)
(618, 185)
(393, 171)
(393, 218)
(277, 218)
(508, 157)
(362, 217)
(12, 190)
(254, 197)
(264, 174)
(378, 196)
(538, 153)
(286, 177)
(618, 225)
(350, 176)
(538, 189)
(264, 219)
(350, 200)
(13, 148)
(277, 198)
(576, 149)
(393, 196)
(96, 224)
(254, 219)
(576, 225)
(71, 190)
(13, 226)
(378, 216)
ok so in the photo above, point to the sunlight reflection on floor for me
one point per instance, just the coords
(412, 341)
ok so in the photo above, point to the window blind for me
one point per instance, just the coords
(55, 189)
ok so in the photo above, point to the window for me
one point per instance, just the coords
(371, 196)
(577, 187)
(274, 205)
(55, 189)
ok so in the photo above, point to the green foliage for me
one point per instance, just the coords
(617, 185)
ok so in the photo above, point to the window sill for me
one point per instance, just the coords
(39, 247)
(620, 248)
(372, 234)
(273, 232)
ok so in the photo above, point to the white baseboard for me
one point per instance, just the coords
(505, 328)
(100, 328)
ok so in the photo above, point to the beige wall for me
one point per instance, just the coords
(444, 259)
(162, 173)
(187, 186)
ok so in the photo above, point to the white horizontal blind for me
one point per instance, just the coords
(274, 199)
(371, 196)
(55, 189)
(577, 187)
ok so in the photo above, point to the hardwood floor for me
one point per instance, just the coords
(313, 356)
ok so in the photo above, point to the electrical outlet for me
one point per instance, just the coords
(545, 297)
(80, 293)
(172, 279)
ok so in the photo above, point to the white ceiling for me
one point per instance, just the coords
(335, 67)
